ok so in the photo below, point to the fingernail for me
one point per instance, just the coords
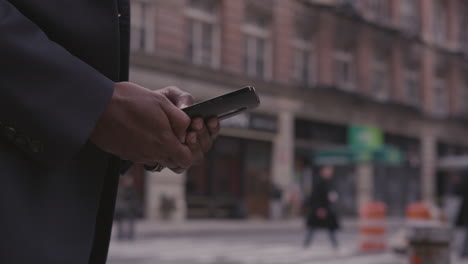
(193, 139)
(213, 124)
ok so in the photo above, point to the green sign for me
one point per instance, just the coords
(362, 156)
(365, 138)
(345, 155)
(333, 156)
(365, 144)
(389, 155)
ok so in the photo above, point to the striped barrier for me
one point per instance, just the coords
(373, 227)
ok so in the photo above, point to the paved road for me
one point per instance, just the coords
(242, 248)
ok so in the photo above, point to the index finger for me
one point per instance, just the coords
(179, 98)
(184, 100)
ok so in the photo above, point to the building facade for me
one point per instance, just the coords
(320, 66)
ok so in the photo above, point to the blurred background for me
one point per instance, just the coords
(377, 89)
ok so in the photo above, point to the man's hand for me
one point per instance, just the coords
(201, 134)
(145, 127)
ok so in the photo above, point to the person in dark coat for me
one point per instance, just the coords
(68, 117)
(321, 214)
(126, 208)
(462, 218)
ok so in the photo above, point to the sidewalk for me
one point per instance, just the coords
(188, 227)
(241, 242)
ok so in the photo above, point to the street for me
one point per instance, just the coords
(282, 246)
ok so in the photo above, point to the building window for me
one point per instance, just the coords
(411, 85)
(411, 75)
(463, 28)
(304, 52)
(380, 81)
(410, 16)
(304, 62)
(463, 97)
(344, 69)
(380, 11)
(350, 5)
(257, 45)
(440, 88)
(344, 57)
(203, 33)
(142, 25)
(440, 21)
(440, 98)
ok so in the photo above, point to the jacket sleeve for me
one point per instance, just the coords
(49, 99)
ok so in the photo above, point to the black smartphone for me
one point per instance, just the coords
(226, 105)
(223, 107)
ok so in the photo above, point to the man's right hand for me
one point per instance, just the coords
(143, 126)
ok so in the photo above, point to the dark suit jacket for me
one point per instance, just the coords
(59, 60)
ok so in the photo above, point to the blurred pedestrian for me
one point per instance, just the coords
(126, 208)
(462, 219)
(321, 213)
(276, 202)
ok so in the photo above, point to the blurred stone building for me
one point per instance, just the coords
(320, 67)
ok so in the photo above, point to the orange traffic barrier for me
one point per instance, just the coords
(414, 259)
(418, 211)
(372, 227)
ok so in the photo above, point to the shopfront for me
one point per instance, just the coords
(234, 179)
(312, 136)
(398, 186)
(448, 179)
(369, 164)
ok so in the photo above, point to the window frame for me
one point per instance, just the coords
(380, 11)
(381, 65)
(309, 65)
(439, 87)
(463, 22)
(413, 74)
(197, 17)
(144, 26)
(410, 17)
(463, 96)
(345, 56)
(252, 34)
(439, 25)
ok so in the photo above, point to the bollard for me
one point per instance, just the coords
(429, 243)
(372, 230)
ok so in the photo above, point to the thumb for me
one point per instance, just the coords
(183, 154)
